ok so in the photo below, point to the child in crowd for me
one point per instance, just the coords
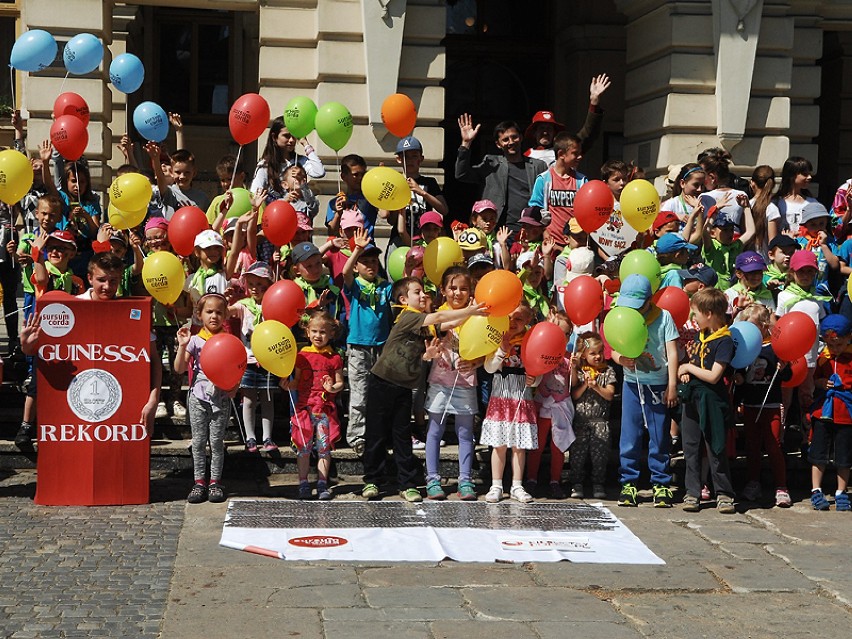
(257, 383)
(483, 216)
(593, 389)
(479, 265)
(532, 231)
(352, 170)
(555, 415)
(180, 193)
(649, 390)
(369, 297)
(511, 418)
(279, 154)
(54, 273)
(227, 171)
(318, 377)
(767, 217)
(299, 194)
(707, 413)
(760, 386)
(210, 276)
(315, 283)
(532, 273)
(815, 236)
(687, 186)
(82, 212)
(452, 391)
(575, 237)
(749, 289)
(209, 407)
(431, 228)
(673, 255)
(394, 376)
(781, 249)
(719, 248)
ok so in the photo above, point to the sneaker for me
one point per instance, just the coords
(251, 445)
(555, 491)
(531, 486)
(518, 493)
(162, 411)
(662, 496)
(725, 504)
(198, 494)
(411, 495)
(215, 493)
(782, 498)
(25, 436)
(178, 412)
(691, 504)
(442, 443)
(434, 490)
(370, 491)
(467, 491)
(705, 493)
(494, 495)
(841, 502)
(305, 491)
(628, 496)
(577, 491)
(269, 445)
(752, 491)
(818, 500)
(599, 491)
(323, 491)
(416, 444)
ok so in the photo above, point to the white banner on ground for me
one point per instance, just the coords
(612, 543)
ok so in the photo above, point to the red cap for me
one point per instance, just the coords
(664, 217)
(803, 259)
(63, 236)
(546, 117)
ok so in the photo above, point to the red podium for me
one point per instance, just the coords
(93, 380)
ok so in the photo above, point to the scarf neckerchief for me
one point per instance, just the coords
(405, 308)
(670, 267)
(761, 295)
(704, 348)
(826, 356)
(61, 281)
(325, 350)
(205, 334)
(800, 295)
(199, 279)
(368, 290)
(651, 316)
(812, 241)
(313, 290)
(773, 273)
(254, 308)
(536, 299)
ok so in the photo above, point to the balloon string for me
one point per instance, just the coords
(766, 397)
(237, 417)
(337, 159)
(62, 86)
(12, 85)
(236, 164)
(450, 398)
(410, 216)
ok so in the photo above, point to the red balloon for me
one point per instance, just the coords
(279, 222)
(69, 136)
(284, 301)
(675, 301)
(249, 118)
(185, 225)
(800, 372)
(543, 348)
(583, 299)
(501, 291)
(793, 335)
(399, 114)
(69, 103)
(593, 205)
(223, 360)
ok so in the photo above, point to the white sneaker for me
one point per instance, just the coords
(577, 491)
(519, 494)
(178, 411)
(416, 444)
(782, 498)
(162, 411)
(494, 495)
(752, 491)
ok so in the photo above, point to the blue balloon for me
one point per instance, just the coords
(151, 121)
(83, 54)
(126, 73)
(33, 51)
(748, 341)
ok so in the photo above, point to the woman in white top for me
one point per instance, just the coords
(718, 180)
(793, 194)
(767, 217)
(279, 155)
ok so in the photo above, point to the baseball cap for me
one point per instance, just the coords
(230, 225)
(665, 217)
(812, 211)
(303, 251)
(581, 261)
(672, 243)
(303, 223)
(371, 249)
(208, 238)
(118, 236)
(546, 117)
(483, 205)
(480, 259)
(782, 241)
(572, 227)
(472, 240)
(524, 259)
(721, 220)
(837, 323)
(701, 273)
(351, 218)
(532, 216)
(62, 236)
(157, 223)
(409, 143)
(260, 269)
(635, 291)
(750, 261)
(431, 217)
(802, 259)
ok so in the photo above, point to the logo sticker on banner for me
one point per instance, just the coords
(57, 320)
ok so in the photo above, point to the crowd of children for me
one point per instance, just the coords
(395, 345)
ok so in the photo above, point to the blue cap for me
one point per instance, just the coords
(721, 220)
(837, 323)
(672, 243)
(409, 143)
(635, 291)
(701, 273)
(371, 249)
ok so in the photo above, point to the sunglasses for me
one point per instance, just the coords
(58, 248)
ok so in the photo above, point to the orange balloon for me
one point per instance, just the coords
(399, 114)
(501, 291)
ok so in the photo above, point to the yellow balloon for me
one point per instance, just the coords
(16, 176)
(130, 192)
(640, 204)
(163, 276)
(119, 219)
(481, 335)
(274, 347)
(439, 255)
(385, 188)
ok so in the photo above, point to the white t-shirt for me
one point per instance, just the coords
(732, 210)
(791, 212)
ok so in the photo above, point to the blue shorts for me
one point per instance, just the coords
(259, 378)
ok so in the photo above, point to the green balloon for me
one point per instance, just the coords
(625, 330)
(299, 116)
(396, 263)
(334, 124)
(241, 205)
(643, 263)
